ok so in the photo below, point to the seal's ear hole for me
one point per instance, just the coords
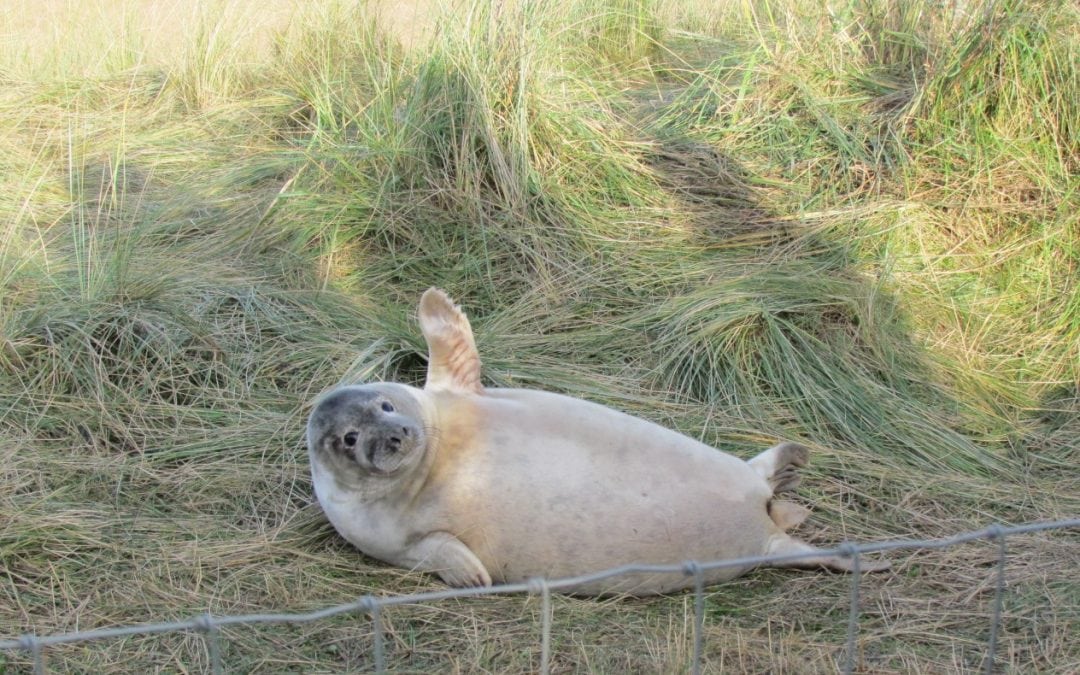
(350, 438)
(387, 406)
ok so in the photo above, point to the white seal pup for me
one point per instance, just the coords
(483, 486)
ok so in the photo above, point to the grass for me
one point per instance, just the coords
(855, 225)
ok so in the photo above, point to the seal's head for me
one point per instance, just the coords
(361, 431)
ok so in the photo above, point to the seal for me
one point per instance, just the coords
(489, 485)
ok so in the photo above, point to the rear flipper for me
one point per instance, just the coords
(779, 466)
(783, 544)
(787, 515)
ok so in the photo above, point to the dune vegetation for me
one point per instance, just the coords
(852, 223)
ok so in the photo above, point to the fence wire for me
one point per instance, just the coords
(210, 626)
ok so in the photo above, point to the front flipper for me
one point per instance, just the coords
(442, 553)
(453, 362)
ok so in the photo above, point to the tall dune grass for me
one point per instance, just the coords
(853, 224)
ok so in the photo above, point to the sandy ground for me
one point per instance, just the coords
(86, 36)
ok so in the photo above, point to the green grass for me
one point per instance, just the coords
(856, 225)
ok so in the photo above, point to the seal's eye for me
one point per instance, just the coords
(387, 407)
(350, 438)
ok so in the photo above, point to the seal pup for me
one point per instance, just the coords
(483, 485)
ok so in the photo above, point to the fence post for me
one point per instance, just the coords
(995, 532)
(848, 549)
(31, 644)
(692, 567)
(540, 585)
(205, 624)
(370, 605)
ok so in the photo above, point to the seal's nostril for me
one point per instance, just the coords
(395, 440)
(405, 430)
(350, 439)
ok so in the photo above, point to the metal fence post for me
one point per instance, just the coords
(31, 644)
(370, 605)
(205, 624)
(996, 533)
(850, 550)
(540, 585)
(694, 568)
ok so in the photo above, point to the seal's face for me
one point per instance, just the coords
(369, 430)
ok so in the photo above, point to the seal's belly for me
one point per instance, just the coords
(567, 487)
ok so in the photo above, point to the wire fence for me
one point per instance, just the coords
(210, 626)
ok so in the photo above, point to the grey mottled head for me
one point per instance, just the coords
(367, 430)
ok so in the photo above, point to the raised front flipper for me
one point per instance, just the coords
(442, 553)
(453, 362)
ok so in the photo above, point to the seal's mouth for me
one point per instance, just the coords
(381, 447)
(379, 453)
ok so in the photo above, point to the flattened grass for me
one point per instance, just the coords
(856, 228)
